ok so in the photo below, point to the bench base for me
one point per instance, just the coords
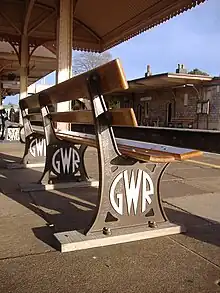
(24, 166)
(74, 240)
(41, 187)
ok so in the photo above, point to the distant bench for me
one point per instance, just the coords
(182, 122)
(129, 171)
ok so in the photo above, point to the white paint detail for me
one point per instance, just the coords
(38, 147)
(118, 208)
(13, 134)
(69, 157)
(99, 108)
(146, 193)
(133, 191)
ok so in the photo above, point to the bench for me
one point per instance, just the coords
(182, 122)
(129, 171)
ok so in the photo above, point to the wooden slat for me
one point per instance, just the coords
(126, 151)
(122, 116)
(34, 117)
(112, 79)
(138, 150)
(178, 153)
(30, 102)
(149, 151)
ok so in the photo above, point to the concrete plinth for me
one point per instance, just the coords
(74, 240)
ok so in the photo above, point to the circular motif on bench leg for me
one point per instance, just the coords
(65, 161)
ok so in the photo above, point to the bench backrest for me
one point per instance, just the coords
(111, 79)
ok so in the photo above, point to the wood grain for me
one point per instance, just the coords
(119, 117)
(112, 78)
(143, 152)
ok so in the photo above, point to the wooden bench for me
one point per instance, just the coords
(128, 181)
(182, 122)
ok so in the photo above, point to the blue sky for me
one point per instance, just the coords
(192, 39)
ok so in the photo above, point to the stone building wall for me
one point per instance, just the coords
(151, 107)
(212, 120)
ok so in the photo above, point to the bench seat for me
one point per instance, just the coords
(145, 151)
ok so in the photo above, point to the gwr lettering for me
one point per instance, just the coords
(38, 147)
(69, 160)
(132, 192)
(13, 134)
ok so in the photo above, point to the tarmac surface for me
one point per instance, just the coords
(30, 260)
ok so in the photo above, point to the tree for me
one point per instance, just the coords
(85, 61)
(198, 72)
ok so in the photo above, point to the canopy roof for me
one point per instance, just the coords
(167, 80)
(42, 62)
(97, 25)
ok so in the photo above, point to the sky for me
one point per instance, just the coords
(192, 39)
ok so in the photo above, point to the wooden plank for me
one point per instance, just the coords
(112, 79)
(30, 102)
(146, 151)
(178, 153)
(34, 117)
(122, 116)
(135, 149)
(143, 156)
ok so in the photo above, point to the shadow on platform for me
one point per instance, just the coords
(73, 209)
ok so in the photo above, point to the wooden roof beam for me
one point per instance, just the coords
(28, 15)
(10, 22)
(88, 29)
(41, 22)
(51, 47)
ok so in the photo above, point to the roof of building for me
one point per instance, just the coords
(167, 80)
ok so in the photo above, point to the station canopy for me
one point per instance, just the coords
(97, 24)
(41, 63)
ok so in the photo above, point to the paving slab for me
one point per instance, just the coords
(179, 188)
(67, 209)
(203, 205)
(209, 158)
(14, 205)
(201, 236)
(200, 172)
(144, 266)
(210, 184)
(183, 165)
(23, 235)
(203, 240)
(10, 179)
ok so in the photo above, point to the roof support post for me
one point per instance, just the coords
(24, 62)
(64, 51)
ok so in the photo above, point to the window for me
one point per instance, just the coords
(185, 102)
(146, 109)
(203, 107)
(208, 94)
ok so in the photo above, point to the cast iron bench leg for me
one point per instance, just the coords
(128, 190)
(64, 159)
